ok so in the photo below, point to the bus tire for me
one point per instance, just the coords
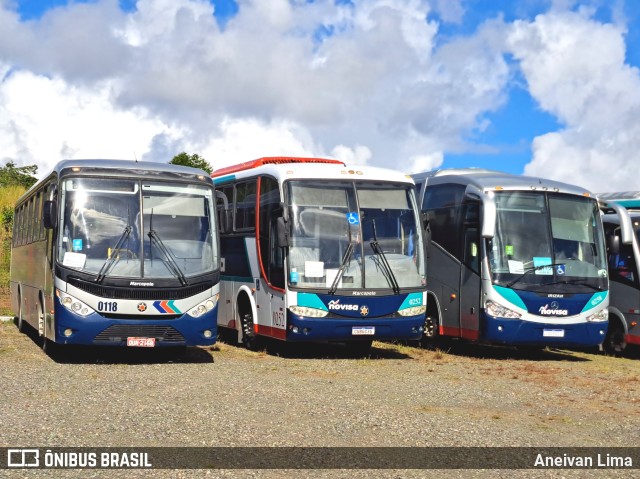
(614, 343)
(249, 337)
(21, 323)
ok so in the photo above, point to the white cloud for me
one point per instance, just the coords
(45, 120)
(575, 68)
(163, 79)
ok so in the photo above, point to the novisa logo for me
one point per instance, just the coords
(336, 306)
(553, 310)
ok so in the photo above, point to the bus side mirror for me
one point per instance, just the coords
(50, 214)
(283, 236)
(613, 244)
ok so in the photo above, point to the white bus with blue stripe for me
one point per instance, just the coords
(513, 260)
(314, 250)
(117, 253)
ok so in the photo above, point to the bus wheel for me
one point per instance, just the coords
(22, 324)
(429, 328)
(614, 342)
(249, 337)
(359, 349)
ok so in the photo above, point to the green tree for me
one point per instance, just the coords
(10, 174)
(194, 161)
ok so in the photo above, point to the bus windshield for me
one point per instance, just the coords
(105, 227)
(545, 239)
(353, 235)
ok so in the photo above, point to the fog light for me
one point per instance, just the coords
(601, 332)
(207, 333)
(295, 329)
(500, 328)
(305, 330)
(68, 332)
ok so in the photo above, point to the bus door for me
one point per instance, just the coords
(470, 284)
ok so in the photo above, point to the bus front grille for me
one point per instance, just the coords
(148, 294)
(120, 332)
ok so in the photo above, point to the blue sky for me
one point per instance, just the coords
(420, 83)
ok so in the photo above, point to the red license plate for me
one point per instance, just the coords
(141, 342)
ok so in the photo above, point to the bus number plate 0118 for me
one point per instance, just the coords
(363, 330)
(141, 342)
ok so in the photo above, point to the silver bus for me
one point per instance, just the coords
(513, 260)
(621, 219)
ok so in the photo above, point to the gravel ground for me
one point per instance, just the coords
(315, 395)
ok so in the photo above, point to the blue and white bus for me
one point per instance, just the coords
(513, 260)
(313, 250)
(117, 253)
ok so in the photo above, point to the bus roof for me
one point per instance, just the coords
(490, 180)
(628, 199)
(123, 168)
(285, 168)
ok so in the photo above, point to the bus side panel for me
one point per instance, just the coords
(626, 298)
(29, 270)
(444, 279)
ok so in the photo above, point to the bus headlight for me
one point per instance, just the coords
(412, 311)
(498, 311)
(309, 312)
(74, 305)
(204, 307)
(600, 316)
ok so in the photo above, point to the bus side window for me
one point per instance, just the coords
(245, 205)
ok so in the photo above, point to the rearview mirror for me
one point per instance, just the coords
(50, 214)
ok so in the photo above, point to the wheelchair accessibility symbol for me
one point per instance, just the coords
(561, 269)
(353, 218)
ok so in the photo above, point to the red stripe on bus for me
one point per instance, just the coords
(270, 331)
(449, 331)
(630, 339)
(472, 334)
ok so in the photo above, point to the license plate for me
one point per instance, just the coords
(553, 333)
(363, 330)
(141, 342)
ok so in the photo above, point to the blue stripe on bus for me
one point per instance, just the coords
(224, 179)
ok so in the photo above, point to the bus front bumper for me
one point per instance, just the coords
(301, 328)
(522, 332)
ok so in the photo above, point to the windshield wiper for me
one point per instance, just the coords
(530, 270)
(346, 259)
(111, 260)
(579, 282)
(386, 268)
(171, 262)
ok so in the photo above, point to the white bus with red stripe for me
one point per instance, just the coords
(314, 250)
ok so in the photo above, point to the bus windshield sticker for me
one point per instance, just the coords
(74, 260)
(353, 218)
(77, 245)
(314, 269)
(508, 250)
(542, 261)
(516, 267)
(561, 269)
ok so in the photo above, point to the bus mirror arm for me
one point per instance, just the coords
(283, 237)
(50, 214)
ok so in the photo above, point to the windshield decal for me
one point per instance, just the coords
(353, 218)
(540, 263)
(77, 245)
